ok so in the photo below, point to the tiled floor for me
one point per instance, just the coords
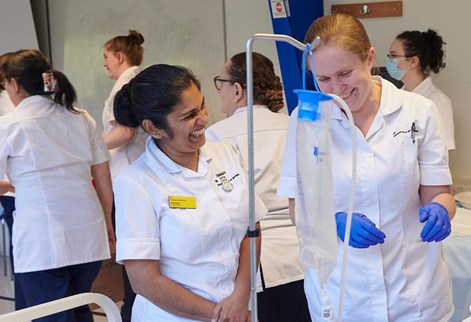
(7, 294)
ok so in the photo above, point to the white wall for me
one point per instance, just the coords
(188, 33)
(451, 19)
(16, 26)
(192, 33)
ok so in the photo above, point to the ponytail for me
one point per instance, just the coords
(64, 92)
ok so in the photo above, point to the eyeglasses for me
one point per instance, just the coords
(396, 56)
(218, 82)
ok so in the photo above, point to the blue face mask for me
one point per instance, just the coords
(393, 69)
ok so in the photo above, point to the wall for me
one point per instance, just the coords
(188, 33)
(451, 19)
(16, 26)
(203, 34)
(197, 34)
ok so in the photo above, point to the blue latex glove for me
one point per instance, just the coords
(363, 233)
(437, 226)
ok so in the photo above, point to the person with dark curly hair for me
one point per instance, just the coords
(281, 292)
(412, 57)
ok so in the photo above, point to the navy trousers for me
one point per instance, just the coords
(283, 303)
(52, 284)
(129, 295)
(8, 204)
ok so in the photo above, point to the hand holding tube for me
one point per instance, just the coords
(363, 233)
(437, 226)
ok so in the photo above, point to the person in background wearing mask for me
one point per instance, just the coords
(413, 55)
(51, 151)
(281, 297)
(122, 57)
(403, 206)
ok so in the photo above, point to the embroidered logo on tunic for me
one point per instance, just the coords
(224, 181)
(412, 132)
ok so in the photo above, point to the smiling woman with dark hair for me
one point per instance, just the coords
(181, 208)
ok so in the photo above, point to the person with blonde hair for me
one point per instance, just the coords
(122, 57)
(403, 206)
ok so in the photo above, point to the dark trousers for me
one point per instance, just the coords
(283, 303)
(129, 295)
(8, 204)
(53, 284)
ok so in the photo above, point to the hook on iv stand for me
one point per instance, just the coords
(252, 231)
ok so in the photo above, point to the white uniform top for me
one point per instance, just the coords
(280, 248)
(404, 279)
(47, 153)
(197, 248)
(443, 103)
(6, 106)
(122, 156)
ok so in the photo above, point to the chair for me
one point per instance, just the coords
(67, 303)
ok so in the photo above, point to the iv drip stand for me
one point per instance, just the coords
(252, 233)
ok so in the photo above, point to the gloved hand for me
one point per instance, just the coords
(363, 233)
(438, 225)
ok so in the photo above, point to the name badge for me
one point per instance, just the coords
(182, 202)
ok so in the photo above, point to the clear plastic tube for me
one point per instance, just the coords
(351, 202)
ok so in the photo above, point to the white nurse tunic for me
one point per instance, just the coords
(47, 154)
(404, 279)
(197, 248)
(429, 90)
(124, 155)
(280, 246)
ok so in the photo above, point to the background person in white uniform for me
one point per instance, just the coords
(7, 199)
(50, 152)
(396, 271)
(413, 55)
(122, 57)
(181, 208)
(6, 106)
(282, 276)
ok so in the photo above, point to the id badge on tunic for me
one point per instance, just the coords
(182, 202)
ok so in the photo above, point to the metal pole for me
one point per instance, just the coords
(252, 233)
